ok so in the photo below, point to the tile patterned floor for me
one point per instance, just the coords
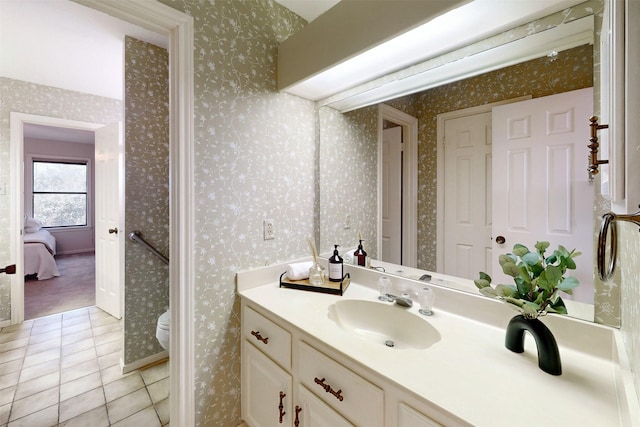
(63, 370)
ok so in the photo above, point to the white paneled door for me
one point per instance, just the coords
(467, 195)
(392, 195)
(540, 183)
(109, 233)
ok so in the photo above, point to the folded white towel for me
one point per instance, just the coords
(299, 271)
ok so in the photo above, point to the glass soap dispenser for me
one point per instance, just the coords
(335, 266)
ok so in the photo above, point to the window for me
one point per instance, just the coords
(60, 193)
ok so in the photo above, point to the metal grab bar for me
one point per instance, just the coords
(136, 236)
(607, 220)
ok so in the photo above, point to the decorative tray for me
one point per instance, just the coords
(328, 287)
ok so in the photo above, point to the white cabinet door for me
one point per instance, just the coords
(266, 390)
(313, 412)
(409, 417)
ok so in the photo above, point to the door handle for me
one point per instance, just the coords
(500, 240)
(9, 269)
(113, 230)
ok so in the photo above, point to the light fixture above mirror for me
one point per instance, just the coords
(354, 75)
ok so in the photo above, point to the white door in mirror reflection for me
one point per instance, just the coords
(540, 183)
(392, 195)
(467, 195)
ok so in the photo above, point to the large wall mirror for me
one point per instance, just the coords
(351, 169)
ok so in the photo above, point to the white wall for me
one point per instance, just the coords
(72, 239)
(33, 33)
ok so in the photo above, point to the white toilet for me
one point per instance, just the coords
(162, 331)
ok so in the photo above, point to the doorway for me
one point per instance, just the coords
(406, 183)
(59, 250)
(18, 122)
(391, 249)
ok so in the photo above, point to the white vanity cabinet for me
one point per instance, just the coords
(320, 355)
(289, 380)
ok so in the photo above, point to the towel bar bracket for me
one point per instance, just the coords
(594, 163)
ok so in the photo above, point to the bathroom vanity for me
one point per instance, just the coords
(307, 362)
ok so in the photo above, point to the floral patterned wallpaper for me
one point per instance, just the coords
(348, 179)
(30, 98)
(255, 153)
(146, 103)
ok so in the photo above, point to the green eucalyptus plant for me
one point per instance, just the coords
(538, 279)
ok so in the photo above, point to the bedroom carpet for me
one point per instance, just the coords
(75, 288)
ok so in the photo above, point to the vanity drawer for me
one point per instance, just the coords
(351, 395)
(267, 336)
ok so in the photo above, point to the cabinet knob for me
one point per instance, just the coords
(113, 230)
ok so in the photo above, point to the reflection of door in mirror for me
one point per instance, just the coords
(521, 176)
(467, 195)
(541, 190)
(391, 248)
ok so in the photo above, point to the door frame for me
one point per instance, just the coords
(16, 179)
(178, 27)
(440, 181)
(409, 181)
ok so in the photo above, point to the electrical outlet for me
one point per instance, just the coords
(347, 222)
(268, 229)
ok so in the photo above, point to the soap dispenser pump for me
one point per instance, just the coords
(335, 266)
(360, 256)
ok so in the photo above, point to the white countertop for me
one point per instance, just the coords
(469, 372)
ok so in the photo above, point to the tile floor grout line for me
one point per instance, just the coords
(92, 321)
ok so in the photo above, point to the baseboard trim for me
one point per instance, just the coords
(144, 362)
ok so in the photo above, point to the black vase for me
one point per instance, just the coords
(548, 355)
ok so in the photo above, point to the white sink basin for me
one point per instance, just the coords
(384, 323)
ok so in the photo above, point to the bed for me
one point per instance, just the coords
(39, 251)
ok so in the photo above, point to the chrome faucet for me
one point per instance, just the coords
(403, 301)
